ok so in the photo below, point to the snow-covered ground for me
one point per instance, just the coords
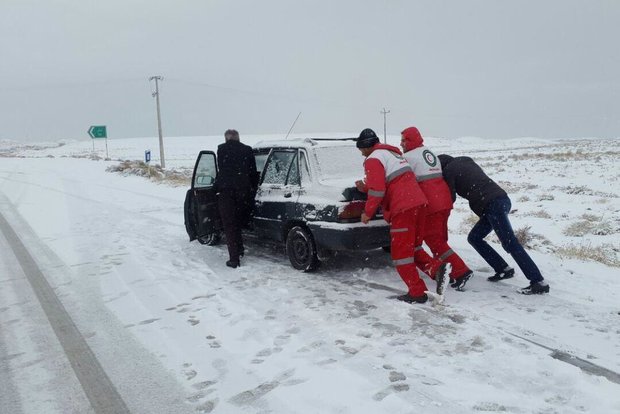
(265, 338)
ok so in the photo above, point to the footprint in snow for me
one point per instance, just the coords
(311, 347)
(190, 374)
(207, 406)
(213, 343)
(205, 296)
(264, 353)
(427, 380)
(270, 315)
(193, 320)
(250, 396)
(293, 330)
(148, 321)
(204, 384)
(281, 339)
(398, 387)
(349, 350)
(397, 376)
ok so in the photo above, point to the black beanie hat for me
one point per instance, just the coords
(367, 139)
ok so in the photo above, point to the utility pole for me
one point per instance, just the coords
(161, 138)
(384, 112)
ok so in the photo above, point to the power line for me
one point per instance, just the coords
(69, 84)
(298, 99)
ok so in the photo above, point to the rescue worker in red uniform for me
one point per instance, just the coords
(390, 183)
(427, 168)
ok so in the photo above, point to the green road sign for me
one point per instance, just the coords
(98, 131)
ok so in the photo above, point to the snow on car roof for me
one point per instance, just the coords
(306, 143)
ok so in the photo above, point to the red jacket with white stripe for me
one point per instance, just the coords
(390, 182)
(427, 169)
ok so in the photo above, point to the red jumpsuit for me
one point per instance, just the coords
(391, 184)
(427, 169)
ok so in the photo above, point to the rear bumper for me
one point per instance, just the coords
(350, 236)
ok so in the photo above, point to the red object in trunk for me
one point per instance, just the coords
(352, 211)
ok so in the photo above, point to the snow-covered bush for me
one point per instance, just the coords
(589, 224)
(608, 254)
(524, 235)
(540, 214)
(173, 177)
(546, 197)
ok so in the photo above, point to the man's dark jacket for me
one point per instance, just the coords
(466, 178)
(236, 167)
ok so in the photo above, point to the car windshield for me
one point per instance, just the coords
(340, 162)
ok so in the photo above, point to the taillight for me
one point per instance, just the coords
(352, 211)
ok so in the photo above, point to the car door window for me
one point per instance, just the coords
(206, 171)
(304, 169)
(293, 174)
(278, 167)
(260, 157)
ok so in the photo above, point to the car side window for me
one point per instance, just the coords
(304, 169)
(278, 167)
(293, 174)
(206, 171)
(260, 158)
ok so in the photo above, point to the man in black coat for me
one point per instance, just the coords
(491, 203)
(236, 185)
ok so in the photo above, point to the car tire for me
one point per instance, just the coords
(211, 239)
(301, 249)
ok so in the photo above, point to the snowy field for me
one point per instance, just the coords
(178, 331)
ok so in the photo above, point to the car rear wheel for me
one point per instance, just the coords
(301, 249)
(211, 239)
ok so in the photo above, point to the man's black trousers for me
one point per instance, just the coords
(235, 209)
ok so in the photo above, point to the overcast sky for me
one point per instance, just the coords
(497, 69)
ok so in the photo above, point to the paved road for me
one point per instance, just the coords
(46, 363)
(102, 394)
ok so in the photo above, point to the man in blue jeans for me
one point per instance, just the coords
(491, 203)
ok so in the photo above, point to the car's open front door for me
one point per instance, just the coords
(202, 218)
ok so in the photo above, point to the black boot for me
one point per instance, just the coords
(460, 282)
(536, 288)
(233, 263)
(413, 299)
(507, 273)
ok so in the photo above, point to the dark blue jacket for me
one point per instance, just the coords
(466, 178)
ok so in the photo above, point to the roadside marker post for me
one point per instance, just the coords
(147, 159)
